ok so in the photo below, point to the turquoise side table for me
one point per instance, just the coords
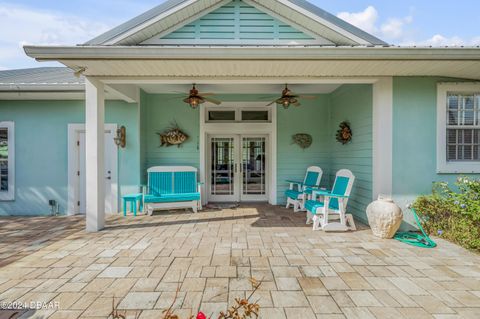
(132, 199)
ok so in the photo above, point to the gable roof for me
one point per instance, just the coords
(174, 14)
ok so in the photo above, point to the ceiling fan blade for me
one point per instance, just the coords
(206, 94)
(297, 104)
(176, 97)
(271, 103)
(209, 99)
(308, 97)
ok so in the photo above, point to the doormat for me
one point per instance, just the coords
(222, 206)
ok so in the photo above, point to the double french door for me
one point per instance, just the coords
(237, 168)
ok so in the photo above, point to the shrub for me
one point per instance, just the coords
(453, 214)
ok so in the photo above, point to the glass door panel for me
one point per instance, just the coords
(253, 168)
(222, 168)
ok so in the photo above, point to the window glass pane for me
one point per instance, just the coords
(452, 136)
(467, 136)
(254, 115)
(452, 153)
(467, 152)
(452, 101)
(221, 115)
(468, 102)
(468, 117)
(3, 159)
(452, 118)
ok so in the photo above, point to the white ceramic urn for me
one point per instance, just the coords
(384, 217)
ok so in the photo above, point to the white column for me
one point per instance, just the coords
(382, 137)
(95, 175)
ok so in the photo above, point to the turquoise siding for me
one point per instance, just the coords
(311, 118)
(415, 138)
(237, 21)
(159, 111)
(353, 103)
(41, 151)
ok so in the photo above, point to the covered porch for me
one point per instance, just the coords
(365, 103)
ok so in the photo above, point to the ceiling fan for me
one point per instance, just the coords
(288, 98)
(195, 98)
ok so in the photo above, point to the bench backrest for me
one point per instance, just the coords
(172, 180)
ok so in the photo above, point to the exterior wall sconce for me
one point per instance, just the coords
(121, 138)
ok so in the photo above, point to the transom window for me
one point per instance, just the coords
(238, 114)
(6, 161)
(463, 127)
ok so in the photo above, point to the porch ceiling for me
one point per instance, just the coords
(268, 89)
(264, 63)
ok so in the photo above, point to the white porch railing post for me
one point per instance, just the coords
(95, 175)
(383, 137)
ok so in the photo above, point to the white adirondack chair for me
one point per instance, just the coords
(299, 192)
(333, 205)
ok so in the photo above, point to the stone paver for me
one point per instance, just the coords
(205, 260)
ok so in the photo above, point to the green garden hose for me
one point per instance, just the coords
(415, 239)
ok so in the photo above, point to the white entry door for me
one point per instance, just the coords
(77, 173)
(237, 168)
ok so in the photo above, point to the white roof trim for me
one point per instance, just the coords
(142, 26)
(128, 31)
(319, 19)
(55, 53)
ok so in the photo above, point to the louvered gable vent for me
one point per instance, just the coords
(237, 23)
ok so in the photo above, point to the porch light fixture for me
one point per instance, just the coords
(121, 138)
(287, 101)
(194, 101)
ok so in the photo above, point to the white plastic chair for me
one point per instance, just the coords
(299, 192)
(334, 204)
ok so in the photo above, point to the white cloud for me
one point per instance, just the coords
(365, 20)
(395, 29)
(368, 20)
(24, 25)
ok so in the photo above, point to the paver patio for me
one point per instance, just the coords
(210, 257)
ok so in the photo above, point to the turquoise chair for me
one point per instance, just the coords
(298, 192)
(331, 204)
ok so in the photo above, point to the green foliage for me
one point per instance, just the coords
(453, 214)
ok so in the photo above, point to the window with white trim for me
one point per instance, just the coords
(463, 126)
(458, 128)
(7, 161)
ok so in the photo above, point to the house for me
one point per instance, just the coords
(414, 112)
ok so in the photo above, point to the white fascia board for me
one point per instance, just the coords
(14, 87)
(56, 53)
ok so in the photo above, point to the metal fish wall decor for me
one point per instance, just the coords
(303, 140)
(172, 136)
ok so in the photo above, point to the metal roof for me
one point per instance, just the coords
(130, 24)
(40, 76)
(317, 13)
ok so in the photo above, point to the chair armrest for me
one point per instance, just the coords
(295, 182)
(328, 194)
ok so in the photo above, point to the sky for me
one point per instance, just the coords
(60, 22)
